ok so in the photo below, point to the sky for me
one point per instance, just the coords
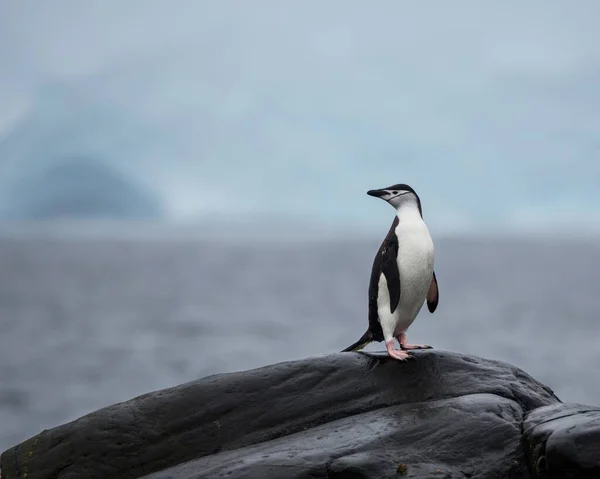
(293, 110)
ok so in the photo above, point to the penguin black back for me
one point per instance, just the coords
(374, 332)
(390, 242)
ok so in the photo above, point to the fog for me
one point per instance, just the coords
(241, 110)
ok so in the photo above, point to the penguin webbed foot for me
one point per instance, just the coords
(395, 353)
(407, 347)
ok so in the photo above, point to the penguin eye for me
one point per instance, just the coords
(395, 192)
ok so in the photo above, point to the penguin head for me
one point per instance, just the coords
(397, 195)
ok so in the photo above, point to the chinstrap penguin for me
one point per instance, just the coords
(402, 277)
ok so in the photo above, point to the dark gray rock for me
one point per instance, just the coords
(563, 440)
(474, 435)
(346, 415)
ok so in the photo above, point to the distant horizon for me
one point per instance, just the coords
(279, 231)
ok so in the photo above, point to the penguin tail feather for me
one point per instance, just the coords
(361, 343)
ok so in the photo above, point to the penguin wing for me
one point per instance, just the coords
(376, 271)
(433, 295)
(389, 267)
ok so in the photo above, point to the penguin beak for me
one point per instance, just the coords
(377, 193)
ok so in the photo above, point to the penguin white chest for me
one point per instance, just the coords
(415, 266)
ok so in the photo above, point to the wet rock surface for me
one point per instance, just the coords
(563, 440)
(345, 415)
(474, 435)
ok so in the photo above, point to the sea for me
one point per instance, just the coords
(86, 322)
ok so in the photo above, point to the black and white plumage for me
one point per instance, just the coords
(402, 276)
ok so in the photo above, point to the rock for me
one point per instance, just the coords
(458, 437)
(345, 415)
(563, 440)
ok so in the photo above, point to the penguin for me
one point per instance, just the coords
(402, 276)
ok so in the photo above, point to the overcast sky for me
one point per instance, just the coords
(491, 110)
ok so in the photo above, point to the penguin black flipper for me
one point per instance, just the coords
(433, 295)
(389, 268)
(376, 271)
(374, 331)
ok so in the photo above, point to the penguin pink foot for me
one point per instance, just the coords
(404, 345)
(395, 353)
